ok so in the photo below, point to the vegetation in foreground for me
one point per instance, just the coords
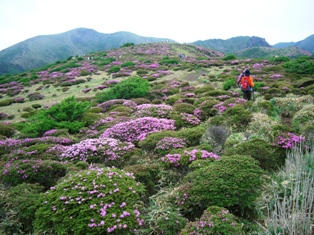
(137, 140)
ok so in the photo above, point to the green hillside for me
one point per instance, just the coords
(42, 50)
(157, 138)
(234, 44)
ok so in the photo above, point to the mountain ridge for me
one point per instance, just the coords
(45, 49)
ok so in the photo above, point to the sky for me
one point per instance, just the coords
(184, 21)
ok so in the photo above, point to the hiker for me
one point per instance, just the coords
(245, 81)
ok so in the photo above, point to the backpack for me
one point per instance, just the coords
(245, 84)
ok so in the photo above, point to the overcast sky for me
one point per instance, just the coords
(180, 20)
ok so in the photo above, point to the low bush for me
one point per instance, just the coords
(214, 220)
(93, 201)
(45, 173)
(150, 142)
(232, 182)
(148, 175)
(268, 156)
(99, 150)
(19, 207)
(6, 130)
(183, 108)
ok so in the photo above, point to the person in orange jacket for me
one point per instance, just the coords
(245, 81)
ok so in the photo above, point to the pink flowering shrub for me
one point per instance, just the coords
(288, 140)
(138, 129)
(7, 145)
(168, 143)
(97, 150)
(50, 132)
(189, 119)
(107, 104)
(187, 156)
(214, 220)
(153, 110)
(93, 201)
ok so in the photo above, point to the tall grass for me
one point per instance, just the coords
(288, 205)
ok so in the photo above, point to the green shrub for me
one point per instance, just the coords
(19, 207)
(192, 135)
(203, 89)
(183, 108)
(108, 94)
(96, 201)
(60, 116)
(229, 57)
(36, 106)
(128, 64)
(236, 117)
(106, 61)
(150, 142)
(168, 60)
(228, 84)
(94, 110)
(232, 182)
(280, 59)
(84, 73)
(172, 99)
(6, 102)
(133, 87)
(269, 157)
(214, 220)
(114, 69)
(128, 44)
(45, 173)
(304, 117)
(6, 130)
(171, 223)
(148, 175)
(302, 65)
(140, 101)
(90, 118)
(141, 72)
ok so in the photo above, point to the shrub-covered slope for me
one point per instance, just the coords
(157, 139)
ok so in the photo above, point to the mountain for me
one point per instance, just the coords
(305, 44)
(41, 50)
(269, 52)
(234, 44)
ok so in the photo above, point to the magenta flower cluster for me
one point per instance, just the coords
(187, 157)
(189, 118)
(153, 110)
(106, 149)
(106, 195)
(11, 144)
(138, 129)
(169, 143)
(50, 132)
(288, 140)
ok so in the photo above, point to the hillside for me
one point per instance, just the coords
(41, 50)
(269, 52)
(156, 139)
(234, 44)
(305, 44)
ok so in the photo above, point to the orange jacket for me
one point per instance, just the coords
(250, 81)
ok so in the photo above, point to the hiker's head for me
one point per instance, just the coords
(247, 72)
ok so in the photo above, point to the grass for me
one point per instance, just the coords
(290, 197)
